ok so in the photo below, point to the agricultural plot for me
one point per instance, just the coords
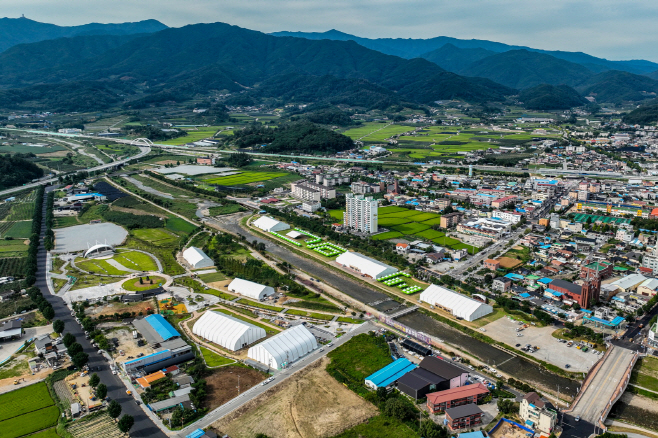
(23, 149)
(156, 236)
(430, 234)
(12, 248)
(19, 230)
(14, 266)
(193, 134)
(244, 178)
(410, 228)
(387, 235)
(98, 426)
(27, 410)
(376, 132)
(178, 225)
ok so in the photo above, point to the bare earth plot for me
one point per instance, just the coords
(311, 404)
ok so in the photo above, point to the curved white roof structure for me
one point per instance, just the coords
(250, 289)
(284, 348)
(268, 224)
(459, 305)
(226, 331)
(98, 248)
(365, 265)
(197, 258)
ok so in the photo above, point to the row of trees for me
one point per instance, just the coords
(113, 408)
(49, 239)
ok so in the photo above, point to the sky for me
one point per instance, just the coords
(617, 30)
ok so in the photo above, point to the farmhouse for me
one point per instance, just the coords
(459, 305)
(268, 224)
(197, 258)
(226, 331)
(250, 289)
(365, 265)
(286, 347)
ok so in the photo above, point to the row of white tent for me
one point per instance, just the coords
(234, 334)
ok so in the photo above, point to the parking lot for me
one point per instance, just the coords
(550, 350)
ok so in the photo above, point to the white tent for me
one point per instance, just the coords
(365, 265)
(197, 258)
(286, 347)
(226, 331)
(268, 224)
(459, 305)
(250, 289)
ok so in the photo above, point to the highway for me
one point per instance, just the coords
(144, 426)
(279, 378)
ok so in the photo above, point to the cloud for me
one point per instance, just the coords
(605, 28)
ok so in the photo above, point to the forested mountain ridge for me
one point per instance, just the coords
(15, 31)
(217, 56)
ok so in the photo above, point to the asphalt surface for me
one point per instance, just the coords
(144, 426)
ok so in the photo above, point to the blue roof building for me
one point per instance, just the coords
(161, 326)
(544, 280)
(389, 374)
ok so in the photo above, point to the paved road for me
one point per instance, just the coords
(143, 151)
(144, 426)
(345, 285)
(280, 376)
(599, 393)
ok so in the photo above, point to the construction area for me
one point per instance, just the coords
(228, 382)
(507, 430)
(310, 404)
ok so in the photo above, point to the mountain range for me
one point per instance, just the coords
(139, 64)
(15, 31)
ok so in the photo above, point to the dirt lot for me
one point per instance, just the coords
(112, 308)
(509, 263)
(223, 384)
(507, 430)
(128, 345)
(310, 404)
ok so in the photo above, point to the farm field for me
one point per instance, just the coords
(23, 149)
(19, 230)
(244, 178)
(98, 426)
(27, 410)
(156, 236)
(311, 404)
(376, 132)
(414, 225)
(211, 278)
(12, 248)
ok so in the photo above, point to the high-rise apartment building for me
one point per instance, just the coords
(360, 213)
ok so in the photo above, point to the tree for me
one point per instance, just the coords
(125, 423)
(429, 429)
(74, 349)
(506, 406)
(58, 326)
(80, 359)
(94, 380)
(101, 390)
(48, 312)
(398, 408)
(114, 409)
(68, 340)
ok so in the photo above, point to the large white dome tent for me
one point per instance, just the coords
(226, 331)
(284, 348)
(459, 305)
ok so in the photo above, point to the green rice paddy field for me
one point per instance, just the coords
(244, 178)
(27, 410)
(414, 225)
(193, 134)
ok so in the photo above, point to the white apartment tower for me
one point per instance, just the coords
(360, 213)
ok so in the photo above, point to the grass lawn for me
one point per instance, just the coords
(213, 359)
(310, 314)
(349, 320)
(645, 373)
(337, 214)
(379, 426)
(178, 225)
(497, 314)
(136, 260)
(215, 276)
(157, 236)
(98, 266)
(359, 357)
(259, 305)
(268, 330)
(136, 286)
(225, 209)
(20, 230)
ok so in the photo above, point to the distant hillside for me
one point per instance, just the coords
(180, 62)
(644, 115)
(15, 31)
(454, 59)
(524, 69)
(550, 97)
(618, 86)
(412, 48)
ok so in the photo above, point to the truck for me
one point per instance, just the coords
(134, 334)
